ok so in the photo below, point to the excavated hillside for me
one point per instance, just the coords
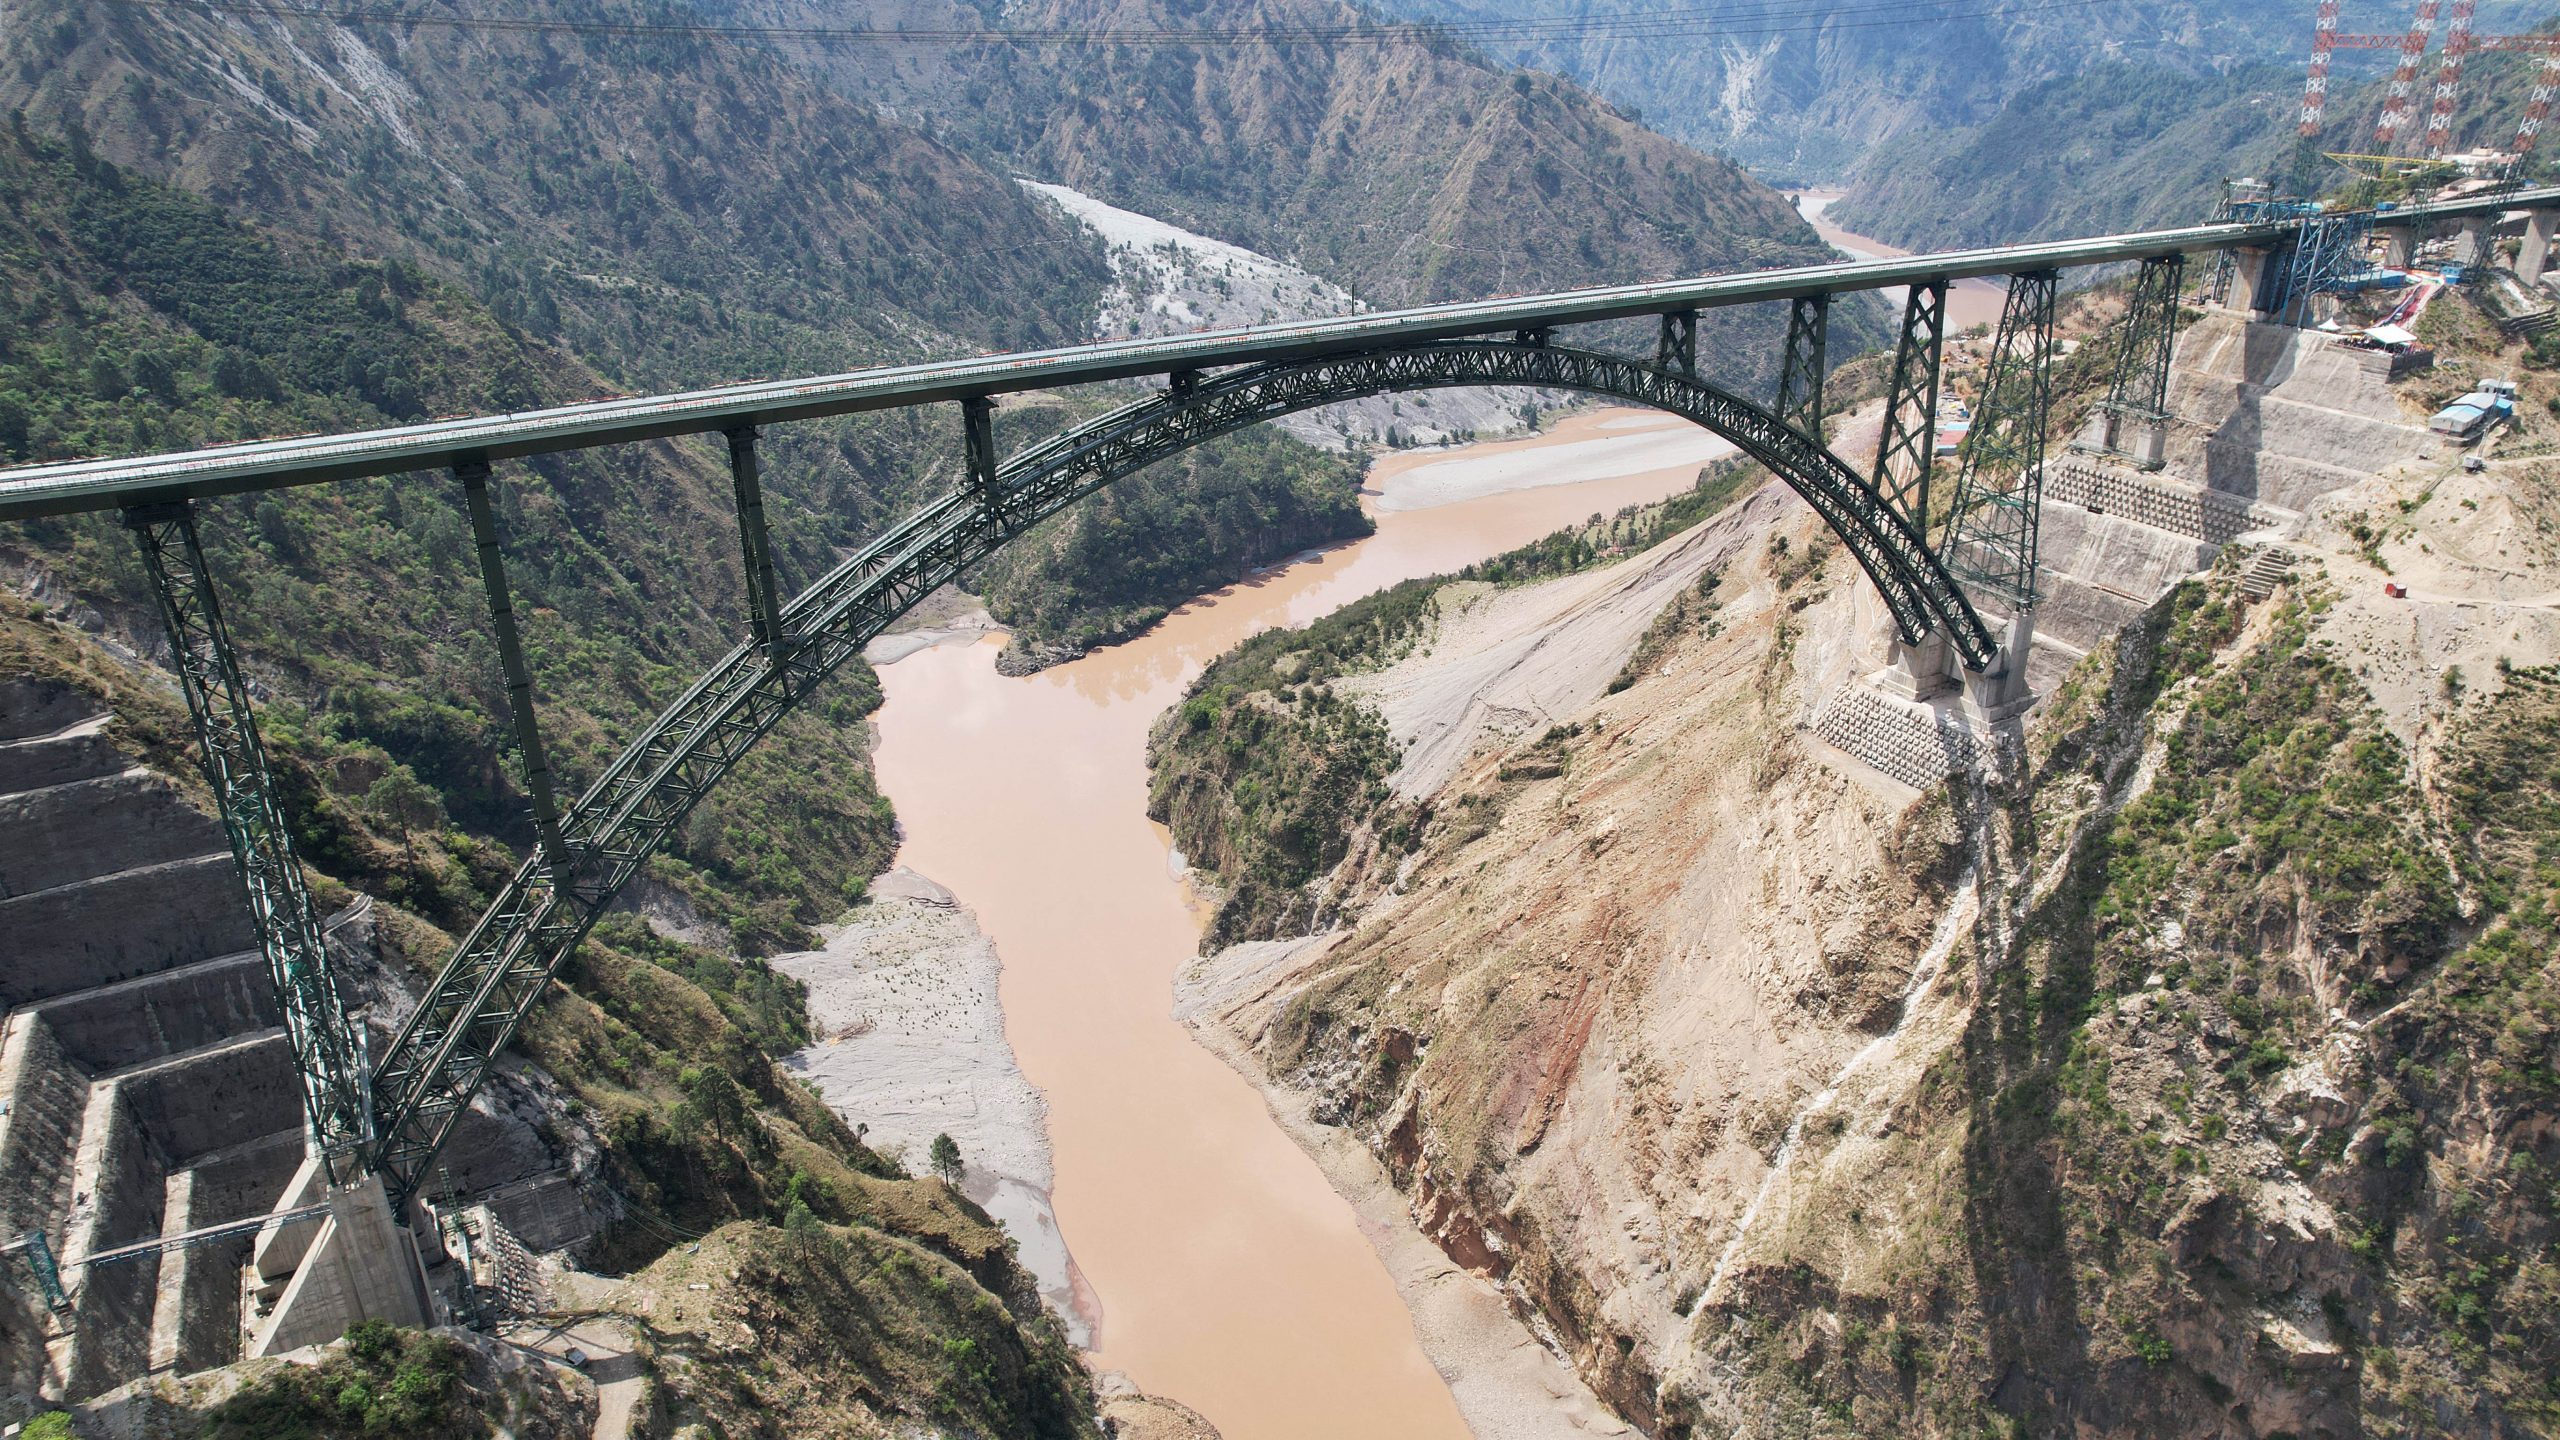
(2184, 1067)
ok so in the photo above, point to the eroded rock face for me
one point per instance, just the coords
(2138, 1090)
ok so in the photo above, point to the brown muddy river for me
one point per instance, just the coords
(1226, 1272)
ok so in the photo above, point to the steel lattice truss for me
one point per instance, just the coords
(2140, 390)
(484, 992)
(326, 1047)
(1991, 535)
(1909, 446)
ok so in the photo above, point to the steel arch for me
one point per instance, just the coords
(427, 1077)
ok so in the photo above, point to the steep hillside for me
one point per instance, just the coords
(1407, 173)
(2129, 145)
(2192, 1073)
(1805, 92)
(505, 165)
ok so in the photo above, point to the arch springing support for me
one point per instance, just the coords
(485, 990)
(1991, 536)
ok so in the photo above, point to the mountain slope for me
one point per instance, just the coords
(1806, 92)
(2127, 146)
(1407, 173)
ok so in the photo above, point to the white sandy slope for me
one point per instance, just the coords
(911, 1042)
(1171, 281)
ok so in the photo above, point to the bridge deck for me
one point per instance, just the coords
(274, 464)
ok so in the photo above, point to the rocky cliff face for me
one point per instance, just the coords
(2189, 1072)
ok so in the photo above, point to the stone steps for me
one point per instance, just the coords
(2265, 571)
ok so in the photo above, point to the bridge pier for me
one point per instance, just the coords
(2535, 255)
(2252, 277)
(2472, 246)
(1917, 672)
(2400, 244)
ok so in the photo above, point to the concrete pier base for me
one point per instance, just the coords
(2471, 247)
(1916, 672)
(2000, 692)
(360, 1266)
(2141, 441)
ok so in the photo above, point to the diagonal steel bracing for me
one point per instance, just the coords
(1800, 375)
(482, 995)
(1677, 349)
(2138, 396)
(1908, 448)
(1991, 536)
(327, 1047)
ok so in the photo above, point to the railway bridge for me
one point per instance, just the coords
(1955, 563)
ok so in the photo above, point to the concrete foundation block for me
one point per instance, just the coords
(361, 1266)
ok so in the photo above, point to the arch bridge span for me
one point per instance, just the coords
(393, 1120)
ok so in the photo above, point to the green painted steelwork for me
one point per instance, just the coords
(2139, 391)
(1908, 449)
(764, 594)
(474, 475)
(1991, 527)
(1800, 374)
(326, 1046)
(472, 1010)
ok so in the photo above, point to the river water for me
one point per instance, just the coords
(1969, 302)
(1227, 1273)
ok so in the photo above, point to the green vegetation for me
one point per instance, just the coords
(1117, 563)
(384, 1384)
(945, 1159)
(2130, 145)
(1270, 778)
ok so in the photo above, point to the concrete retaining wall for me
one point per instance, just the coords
(2198, 513)
(54, 759)
(2271, 413)
(214, 1099)
(47, 1101)
(63, 834)
(117, 927)
(157, 1016)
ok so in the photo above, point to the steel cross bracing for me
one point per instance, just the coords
(2139, 393)
(1909, 445)
(1800, 374)
(1991, 533)
(473, 1009)
(327, 1049)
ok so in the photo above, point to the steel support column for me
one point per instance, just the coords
(978, 418)
(1991, 537)
(1908, 448)
(327, 1048)
(474, 475)
(764, 598)
(1800, 379)
(2133, 420)
(1677, 349)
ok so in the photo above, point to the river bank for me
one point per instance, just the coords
(1230, 1273)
